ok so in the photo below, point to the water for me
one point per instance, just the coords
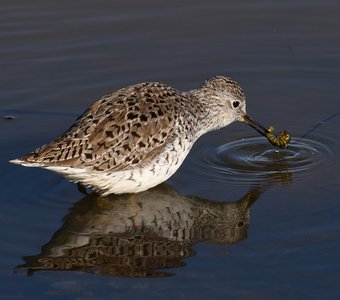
(263, 223)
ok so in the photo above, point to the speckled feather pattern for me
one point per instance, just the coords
(125, 129)
(143, 126)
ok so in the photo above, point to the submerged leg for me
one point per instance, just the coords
(81, 188)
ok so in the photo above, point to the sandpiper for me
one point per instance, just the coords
(137, 137)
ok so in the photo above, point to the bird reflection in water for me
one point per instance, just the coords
(139, 235)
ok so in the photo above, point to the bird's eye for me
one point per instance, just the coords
(236, 104)
(240, 224)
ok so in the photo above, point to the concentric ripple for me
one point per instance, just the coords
(256, 157)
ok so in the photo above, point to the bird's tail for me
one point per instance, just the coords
(29, 160)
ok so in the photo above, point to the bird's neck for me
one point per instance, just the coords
(207, 112)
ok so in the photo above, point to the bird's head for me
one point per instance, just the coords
(225, 103)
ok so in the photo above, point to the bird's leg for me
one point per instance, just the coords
(81, 188)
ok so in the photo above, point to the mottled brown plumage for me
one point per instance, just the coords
(126, 128)
(138, 136)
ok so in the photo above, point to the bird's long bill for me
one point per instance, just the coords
(257, 126)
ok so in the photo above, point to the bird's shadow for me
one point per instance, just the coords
(141, 235)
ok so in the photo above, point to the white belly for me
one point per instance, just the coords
(133, 180)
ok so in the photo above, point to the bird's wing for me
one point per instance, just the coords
(123, 130)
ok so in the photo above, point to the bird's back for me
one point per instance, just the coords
(122, 130)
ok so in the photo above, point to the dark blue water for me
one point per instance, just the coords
(263, 224)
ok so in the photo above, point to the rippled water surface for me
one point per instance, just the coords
(240, 219)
